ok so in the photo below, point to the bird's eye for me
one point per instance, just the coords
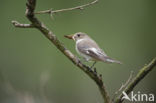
(78, 35)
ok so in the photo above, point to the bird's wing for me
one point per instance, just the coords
(90, 48)
(93, 52)
(98, 55)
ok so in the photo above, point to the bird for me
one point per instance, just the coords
(89, 49)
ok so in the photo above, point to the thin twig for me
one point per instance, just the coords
(123, 85)
(81, 7)
(127, 82)
(141, 74)
(17, 24)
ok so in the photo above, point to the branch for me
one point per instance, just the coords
(17, 24)
(52, 37)
(126, 83)
(123, 85)
(141, 74)
(81, 7)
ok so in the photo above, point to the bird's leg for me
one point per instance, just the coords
(93, 64)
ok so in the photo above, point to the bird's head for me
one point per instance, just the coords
(77, 36)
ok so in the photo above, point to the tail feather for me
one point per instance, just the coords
(110, 60)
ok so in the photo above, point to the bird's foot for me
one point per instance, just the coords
(95, 72)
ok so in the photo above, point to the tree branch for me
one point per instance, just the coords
(17, 24)
(126, 83)
(52, 37)
(123, 85)
(81, 7)
(141, 74)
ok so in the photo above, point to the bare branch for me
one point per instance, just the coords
(141, 74)
(127, 82)
(81, 7)
(17, 24)
(123, 85)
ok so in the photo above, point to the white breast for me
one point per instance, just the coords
(79, 40)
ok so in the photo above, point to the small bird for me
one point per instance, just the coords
(89, 50)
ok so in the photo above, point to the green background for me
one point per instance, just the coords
(33, 70)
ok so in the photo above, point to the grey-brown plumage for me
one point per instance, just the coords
(89, 49)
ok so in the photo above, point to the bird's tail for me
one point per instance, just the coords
(110, 60)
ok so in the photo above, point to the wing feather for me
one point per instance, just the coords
(90, 48)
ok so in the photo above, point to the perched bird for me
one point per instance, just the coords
(89, 50)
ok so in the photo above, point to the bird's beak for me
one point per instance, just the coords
(69, 36)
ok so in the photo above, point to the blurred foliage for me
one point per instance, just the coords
(33, 70)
